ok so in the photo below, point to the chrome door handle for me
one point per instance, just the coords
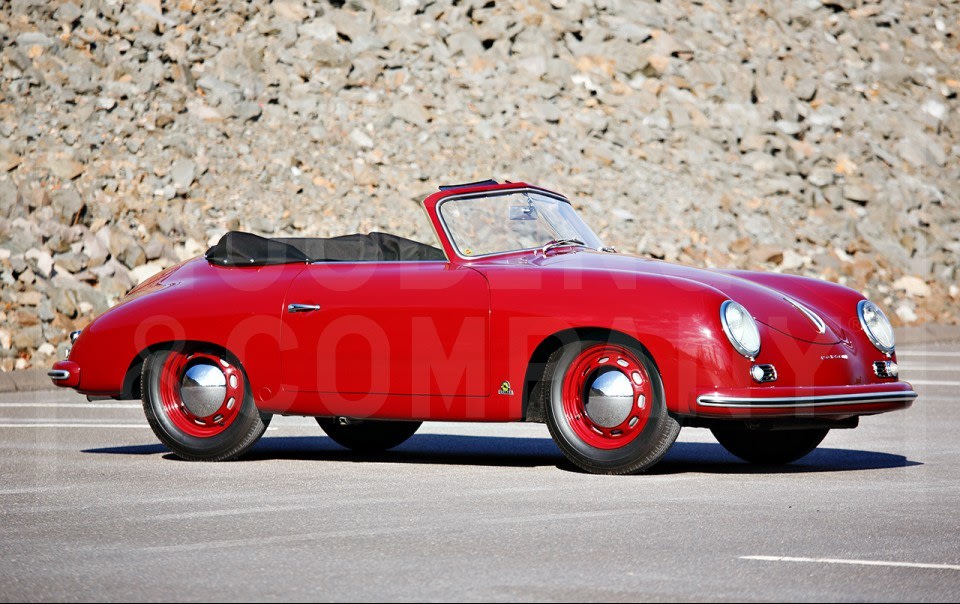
(302, 307)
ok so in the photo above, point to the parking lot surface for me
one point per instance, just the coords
(93, 507)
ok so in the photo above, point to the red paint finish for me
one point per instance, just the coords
(437, 340)
(238, 309)
(416, 328)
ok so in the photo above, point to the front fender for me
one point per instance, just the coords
(675, 319)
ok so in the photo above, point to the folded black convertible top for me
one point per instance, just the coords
(246, 249)
(236, 248)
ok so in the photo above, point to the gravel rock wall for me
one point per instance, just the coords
(808, 136)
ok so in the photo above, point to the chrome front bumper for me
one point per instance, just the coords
(793, 402)
(804, 401)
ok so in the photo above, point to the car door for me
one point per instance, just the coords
(387, 328)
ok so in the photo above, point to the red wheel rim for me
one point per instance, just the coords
(585, 371)
(200, 425)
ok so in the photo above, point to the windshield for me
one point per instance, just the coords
(512, 221)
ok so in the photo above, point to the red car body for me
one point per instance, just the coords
(464, 339)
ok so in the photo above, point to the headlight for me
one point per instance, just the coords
(876, 325)
(740, 328)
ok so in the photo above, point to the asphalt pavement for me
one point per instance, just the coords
(92, 507)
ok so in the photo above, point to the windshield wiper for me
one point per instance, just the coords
(558, 243)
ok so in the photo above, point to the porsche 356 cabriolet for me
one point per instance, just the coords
(520, 314)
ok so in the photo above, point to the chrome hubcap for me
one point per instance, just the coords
(203, 389)
(609, 399)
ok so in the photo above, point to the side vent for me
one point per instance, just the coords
(886, 369)
(763, 373)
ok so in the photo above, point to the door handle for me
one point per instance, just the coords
(302, 307)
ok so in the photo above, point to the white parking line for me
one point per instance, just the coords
(66, 425)
(77, 405)
(33, 490)
(78, 425)
(854, 562)
(932, 383)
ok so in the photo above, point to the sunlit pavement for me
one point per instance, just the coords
(93, 507)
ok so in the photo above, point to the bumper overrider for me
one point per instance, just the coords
(65, 374)
(792, 401)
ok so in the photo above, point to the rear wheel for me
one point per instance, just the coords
(368, 436)
(605, 407)
(199, 404)
(770, 448)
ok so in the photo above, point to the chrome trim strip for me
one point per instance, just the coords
(814, 317)
(58, 374)
(792, 402)
(302, 307)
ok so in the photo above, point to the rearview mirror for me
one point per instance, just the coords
(523, 213)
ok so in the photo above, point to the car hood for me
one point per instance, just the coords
(767, 305)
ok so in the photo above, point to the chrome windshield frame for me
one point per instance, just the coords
(496, 193)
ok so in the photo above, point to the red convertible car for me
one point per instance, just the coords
(521, 314)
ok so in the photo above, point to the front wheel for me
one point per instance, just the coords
(769, 448)
(200, 405)
(605, 407)
(368, 436)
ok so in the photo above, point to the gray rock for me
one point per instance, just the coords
(789, 128)
(95, 250)
(921, 151)
(249, 111)
(27, 338)
(319, 29)
(806, 89)
(183, 173)
(861, 193)
(913, 286)
(411, 112)
(40, 261)
(820, 177)
(45, 311)
(64, 166)
(34, 38)
(67, 203)
(9, 197)
(361, 139)
(30, 298)
(67, 12)
(70, 262)
(8, 160)
(132, 255)
(153, 249)
(106, 103)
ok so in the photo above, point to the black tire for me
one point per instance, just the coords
(242, 433)
(368, 436)
(639, 454)
(769, 448)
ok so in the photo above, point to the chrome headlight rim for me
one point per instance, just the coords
(863, 306)
(736, 343)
